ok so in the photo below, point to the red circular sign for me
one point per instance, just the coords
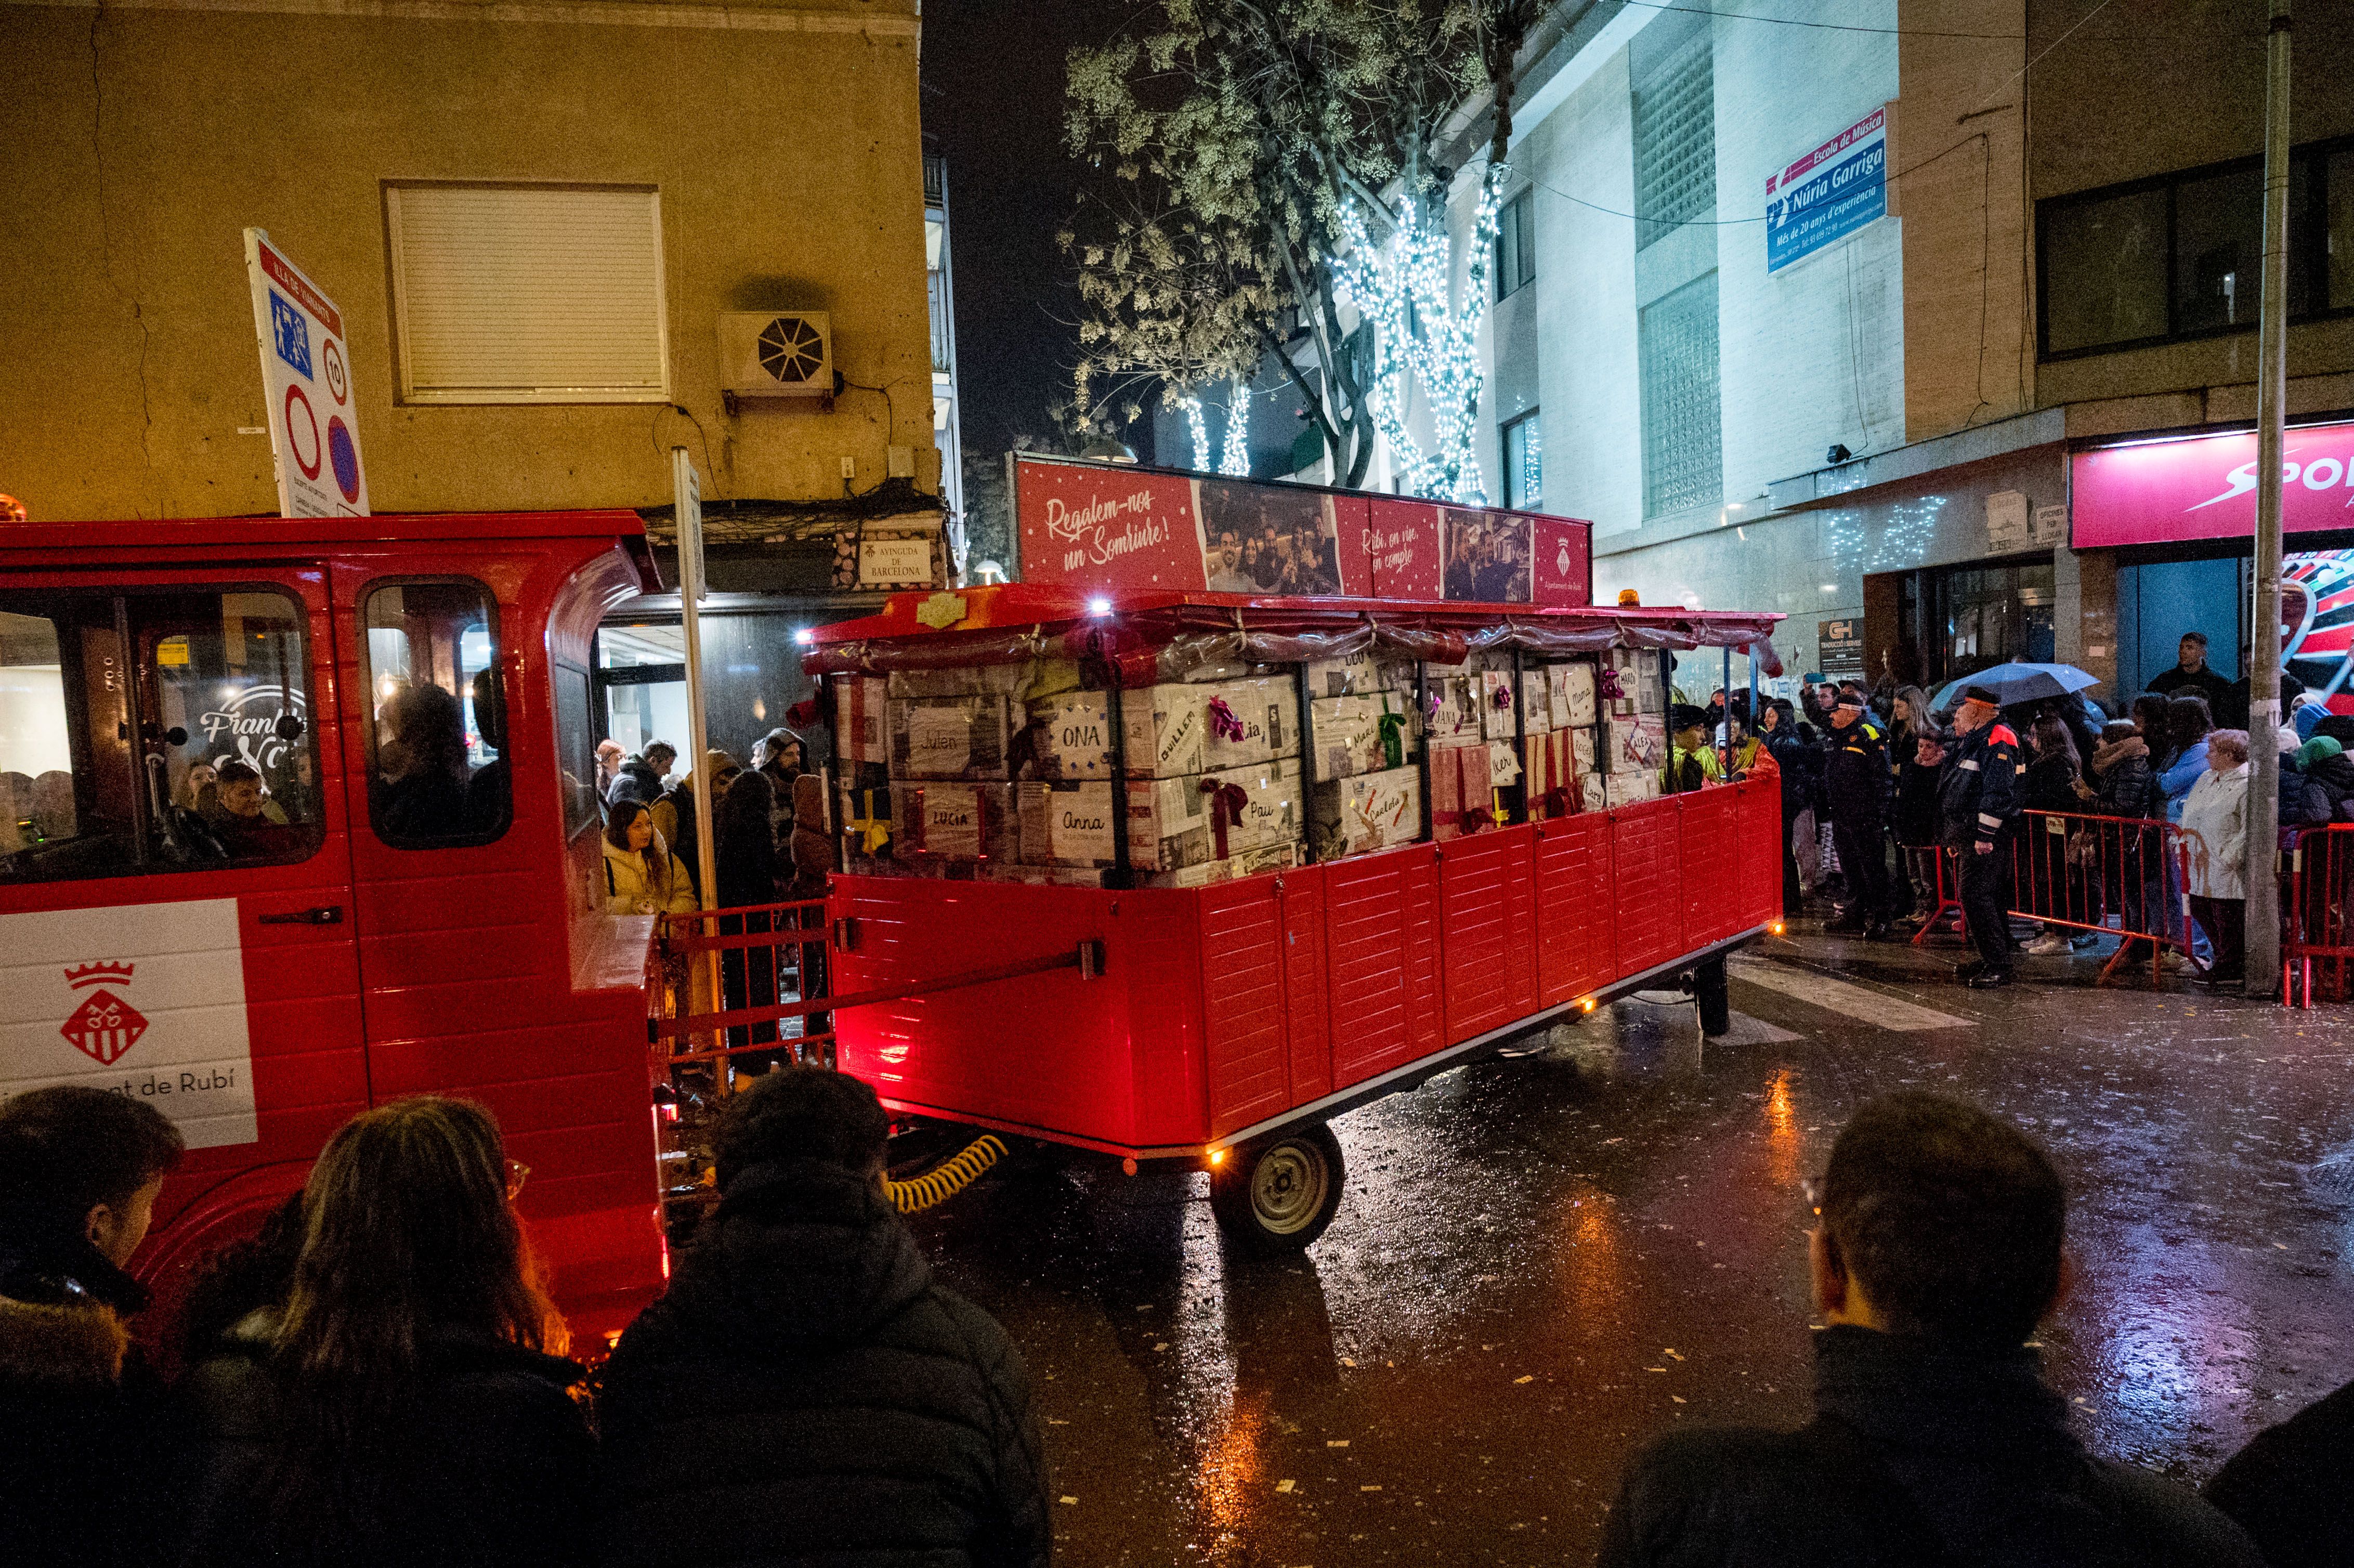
(296, 431)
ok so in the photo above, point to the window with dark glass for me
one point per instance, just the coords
(1524, 461)
(439, 775)
(153, 731)
(1516, 256)
(2181, 256)
(575, 749)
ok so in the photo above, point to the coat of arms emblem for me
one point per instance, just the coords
(104, 1026)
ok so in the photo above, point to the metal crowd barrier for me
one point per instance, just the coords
(2078, 870)
(2318, 913)
(765, 992)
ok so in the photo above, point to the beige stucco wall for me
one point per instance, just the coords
(140, 140)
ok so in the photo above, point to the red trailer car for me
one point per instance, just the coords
(1222, 1024)
(299, 817)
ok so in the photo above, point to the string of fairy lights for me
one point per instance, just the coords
(1421, 327)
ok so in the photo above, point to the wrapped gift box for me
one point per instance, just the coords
(951, 738)
(1453, 704)
(1551, 774)
(1570, 688)
(966, 681)
(1626, 788)
(1265, 710)
(1634, 677)
(861, 731)
(1503, 764)
(1594, 791)
(954, 821)
(1353, 735)
(1463, 797)
(1638, 744)
(1070, 738)
(1172, 822)
(1498, 721)
(1367, 812)
(1352, 674)
(864, 810)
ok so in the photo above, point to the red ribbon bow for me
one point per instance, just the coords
(1504, 696)
(1606, 682)
(1227, 803)
(1223, 722)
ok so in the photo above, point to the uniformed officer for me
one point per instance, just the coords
(1855, 775)
(1978, 799)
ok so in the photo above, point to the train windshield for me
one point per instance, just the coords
(153, 731)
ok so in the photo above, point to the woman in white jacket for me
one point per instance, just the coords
(2215, 831)
(641, 877)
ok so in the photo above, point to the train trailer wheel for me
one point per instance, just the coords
(1715, 1003)
(1278, 1193)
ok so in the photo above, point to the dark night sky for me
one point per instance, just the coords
(993, 107)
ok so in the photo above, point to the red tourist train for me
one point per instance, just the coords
(1219, 1003)
(301, 816)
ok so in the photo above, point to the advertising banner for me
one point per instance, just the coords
(2204, 487)
(1826, 196)
(314, 429)
(1138, 529)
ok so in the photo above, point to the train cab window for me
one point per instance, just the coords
(153, 731)
(438, 768)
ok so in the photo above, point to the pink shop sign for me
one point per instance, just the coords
(2204, 487)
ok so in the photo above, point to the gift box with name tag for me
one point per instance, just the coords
(1369, 812)
(951, 738)
(944, 820)
(1364, 734)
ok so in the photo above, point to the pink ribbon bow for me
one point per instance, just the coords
(1223, 722)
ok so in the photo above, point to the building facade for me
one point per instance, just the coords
(538, 223)
(1832, 319)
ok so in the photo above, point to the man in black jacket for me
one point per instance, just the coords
(2191, 677)
(1855, 774)
(640, 777)
(1936, 1443)
(805, 1393)
(2288, 1487)
(1978, 799)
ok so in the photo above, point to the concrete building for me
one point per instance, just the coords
(1884, 421)
(536, 220)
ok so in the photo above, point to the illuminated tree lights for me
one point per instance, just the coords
(1404, 287)
(1234, 456)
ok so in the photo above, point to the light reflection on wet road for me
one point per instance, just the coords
(1542, 1261)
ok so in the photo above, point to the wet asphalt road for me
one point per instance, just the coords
(1540, 1262)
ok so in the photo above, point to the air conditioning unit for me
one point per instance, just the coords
(776, 353)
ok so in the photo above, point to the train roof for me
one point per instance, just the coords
(244, 538)
(1005, 621)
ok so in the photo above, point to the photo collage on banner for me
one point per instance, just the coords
(1098, 526)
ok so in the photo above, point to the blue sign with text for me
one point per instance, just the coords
(1828, 195)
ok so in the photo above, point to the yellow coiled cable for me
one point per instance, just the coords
(949, 1177)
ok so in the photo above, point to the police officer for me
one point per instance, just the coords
(1855, 775)
(1978, 799)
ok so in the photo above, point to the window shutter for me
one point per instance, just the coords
(528, 293)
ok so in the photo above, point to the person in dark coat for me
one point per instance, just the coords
(80, 1170)
(2191, 677)
(1912, 815)
(419, 794)
(640, 777)
(2324, 761)
(2123, 784)
(1855, 776)
(1935, 1440)
(1795, 759)
(407, 1402)
(1978, 802)
(752, 869)
(806, 1393)
(2288, 1487)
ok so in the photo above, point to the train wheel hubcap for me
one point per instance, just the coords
(1287, 1189)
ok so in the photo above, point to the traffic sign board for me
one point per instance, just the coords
(303, 362)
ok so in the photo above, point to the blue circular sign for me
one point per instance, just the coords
(345, 454)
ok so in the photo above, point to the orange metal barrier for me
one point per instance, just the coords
(2318, 913)
(2077, 869)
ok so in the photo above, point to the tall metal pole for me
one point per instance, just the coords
(687, 493)
(2264, 642)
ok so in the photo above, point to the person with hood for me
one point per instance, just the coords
(641, 875)
(640, 777)
(408, 1401)
(675, 812)
(2215, 831)
(2302, 802)
(2324, 761)
(1937, 1251)
(80, 1171)
(803, 1357)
